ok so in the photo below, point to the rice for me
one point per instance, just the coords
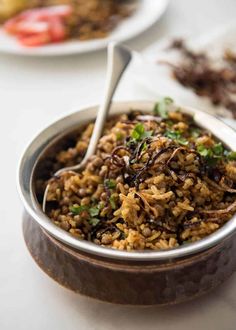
(90, 19)
(156, 181)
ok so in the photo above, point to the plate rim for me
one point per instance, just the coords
(91, 45)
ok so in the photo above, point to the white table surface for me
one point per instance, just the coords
(33, 92)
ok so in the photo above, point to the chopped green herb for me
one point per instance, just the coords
(139, 132)
(195, 132)
(160, 108)
(76, 209)
(94, 211)
(204, 152)
(218, 149)
(176, 135)
(231, 155)
(101, 205)
(111, 184)
(119, 136)
(112, 202)
(144, 146)
(182, 141)
(147, 134)
(213, 154)
(94, 222)
(173, 135)
(168, 100)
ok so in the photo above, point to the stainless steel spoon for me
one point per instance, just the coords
(118, 60)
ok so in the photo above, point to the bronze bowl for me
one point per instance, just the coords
(134, 278)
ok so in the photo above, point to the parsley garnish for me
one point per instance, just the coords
(213, 154)
(218, 149)
(110, 184)
(160, 108)
(231, 155)
(94, 221)
(76, 209)
(139, 133)
(177, 136)
(94, 211)
(119, 136)
(101, 205)
(112, 202)
(144, 146)
(204, 152)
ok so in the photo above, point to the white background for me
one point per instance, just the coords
(33, 92)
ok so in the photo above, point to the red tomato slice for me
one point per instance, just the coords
(25, 27)
(57, 29)
(39, 26)
(11, 25)
(47, 12)
(34, 40)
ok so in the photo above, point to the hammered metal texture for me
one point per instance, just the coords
(132, 283)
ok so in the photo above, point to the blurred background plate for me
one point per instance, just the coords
(153, 80)
(145, 16)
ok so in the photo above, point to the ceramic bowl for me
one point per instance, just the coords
(137, 278)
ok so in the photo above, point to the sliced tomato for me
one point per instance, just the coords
(34, 40)
(11, 25)
(47, 12)
(32, 27)
(39, 26)
(57, 29)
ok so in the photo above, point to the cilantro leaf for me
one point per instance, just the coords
(77, 209)
(231, 155)
(147, 134)
(139, 133)
(110, 184)
(94, 222)
(160, 108)
(94, 211)
(112, 202)
(204, 152)
(213, 154)
(144, 146)
(119, 136)
(101, 205)
(218, 149)
(177, 136)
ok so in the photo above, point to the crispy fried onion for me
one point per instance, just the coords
(230, 208)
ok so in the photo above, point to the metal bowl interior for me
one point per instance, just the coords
(64, 126)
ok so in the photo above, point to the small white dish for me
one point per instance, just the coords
(147, 13)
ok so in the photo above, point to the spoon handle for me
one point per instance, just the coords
(118, 59)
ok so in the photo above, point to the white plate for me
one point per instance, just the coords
(145, 16)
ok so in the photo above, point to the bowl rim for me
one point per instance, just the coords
(28, 161)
